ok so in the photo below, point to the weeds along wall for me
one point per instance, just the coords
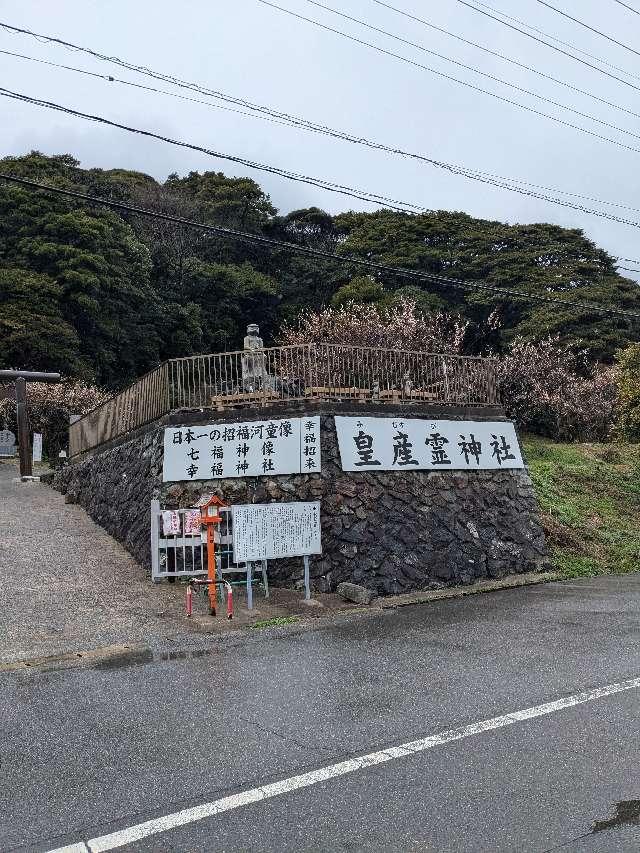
(392, 531)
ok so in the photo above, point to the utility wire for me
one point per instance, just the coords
(556, 39)
(506, 58)
(588, 27)
(432, 278)
(553, 46)
(626, 6)
(363, 195)
(527, 188)
(474, 70)
(449, 77)
(288, 118)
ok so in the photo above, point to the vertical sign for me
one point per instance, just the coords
(37, 447)
(249, 449)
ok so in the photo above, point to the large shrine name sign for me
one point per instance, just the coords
(412, 444)
(248, 449)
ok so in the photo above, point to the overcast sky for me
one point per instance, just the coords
(252, 51)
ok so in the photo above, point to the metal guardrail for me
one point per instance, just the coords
(266, 377)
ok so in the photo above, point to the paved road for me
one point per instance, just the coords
(90, 751)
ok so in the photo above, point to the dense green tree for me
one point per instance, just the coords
(33, 331)
(105, 295)
(101, 277)
(542, 259)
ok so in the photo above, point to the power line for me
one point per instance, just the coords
(626, 6)
(363, 195)
(449, 77)
(278, 117)
(552, 46)
(473, 69)
(432, 278)
(557, 40)
(588, 27)
(506, 58)
(287, 120)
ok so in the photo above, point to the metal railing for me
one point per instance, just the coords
(266, 377)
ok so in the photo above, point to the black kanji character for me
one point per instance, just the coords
(470, 448)
(194, 454)
(267, 448)
(501, 449)
(285, 429)
(189, 436)
(177, 438)
(228, 433)
(402, 450)
(243, 432)
(217, 451)
(256, 430)
(310, 438)
(272, 430)
(267, 465)
(311, 463)
(364, 449)
(309, 426)
(309, 450)
(241, 467)
(438, 454)
(242, 449)
(216, 469)
(192, 470)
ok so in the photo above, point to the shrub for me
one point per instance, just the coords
(628, 426)
(50, 406)
(550, 390)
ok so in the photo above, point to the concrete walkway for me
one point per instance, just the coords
(67, 585)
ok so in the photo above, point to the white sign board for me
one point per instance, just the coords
(37, 447)
(274, 531)
(248, 449)
(412, 444)
(7, 443)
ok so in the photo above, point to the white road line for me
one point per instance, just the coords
(294, 783)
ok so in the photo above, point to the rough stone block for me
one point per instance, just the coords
(356, 593)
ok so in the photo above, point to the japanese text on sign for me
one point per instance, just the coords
(251, 449)
(410, 444)
(273, 531)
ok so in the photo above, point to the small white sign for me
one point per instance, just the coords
(37, 447)
(412, 444)
(7, 443)
(248, 449)
(277, 530)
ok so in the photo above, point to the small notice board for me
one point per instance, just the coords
(274, 531)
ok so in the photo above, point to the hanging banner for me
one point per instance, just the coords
(248, 449)
(277, 530)
(412, 444)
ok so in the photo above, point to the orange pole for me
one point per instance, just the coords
(211, 568)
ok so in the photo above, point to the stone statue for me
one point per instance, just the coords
(254, 374)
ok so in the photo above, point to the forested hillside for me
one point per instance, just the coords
(104, 296)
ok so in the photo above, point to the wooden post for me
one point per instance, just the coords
(26, 463)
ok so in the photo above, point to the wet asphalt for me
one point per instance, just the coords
(92, 749)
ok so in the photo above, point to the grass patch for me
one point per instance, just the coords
(589, 496)
(275, 623)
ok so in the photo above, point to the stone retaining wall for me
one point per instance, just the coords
(390, 531)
